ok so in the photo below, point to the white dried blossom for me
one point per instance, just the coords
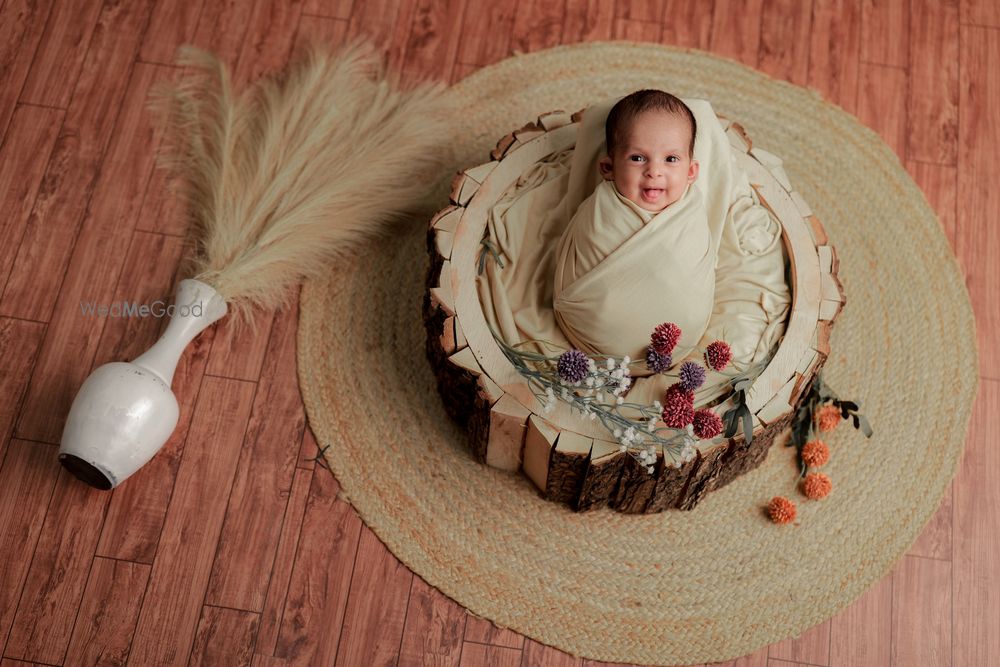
(623, 448)
(658, 406)
(650, 469)
(591, 365)
(626, 360)
(619, 400)
(618, 433)
(590, 381)
(610, 364)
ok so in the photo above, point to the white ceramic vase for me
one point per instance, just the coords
(126, 411)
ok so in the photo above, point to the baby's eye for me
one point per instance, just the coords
(636, 158)
(673, 158)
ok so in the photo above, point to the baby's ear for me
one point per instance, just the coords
(693, 171)
(606, 167)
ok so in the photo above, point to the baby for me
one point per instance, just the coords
(638, 251)
(650, 149)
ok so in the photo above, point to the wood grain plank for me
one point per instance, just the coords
(484, 631)
(93, 115)
(882, 103)
(981, 13)
(59, 58)
(21, 26)
(7, 662)
(171, 25)
(637, 31)
(376, 606)
(587, 21)
(268, 43)
(432, 45)
(320, 30)
(940, 186)
(19, 345)
(308, 451)
(736, 30)
(484, 37)
(263, 482)
(975, 566)
(932, 131)
(434, 628)
(835, 50)
(687, 24)
(224, 637)
(783, 53)
(108, 611)
(166, 628)
(27, 479)
(812, 646)
(380, 21)
(147, 277)
(335, 9)
(978, 197)
(537, 25)
(460, 71)
(540, 655)
(23, 159)
(59, 569)
(94, 266)
(861, 634)
(921, 612)
(138, 507)
(222, 27)
(885, 32)
(239, 349)
(313, 614)
(478, 655)
(277, 588)
(935, 540)
(639, 10)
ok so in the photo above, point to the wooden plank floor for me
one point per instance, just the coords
(232, 547)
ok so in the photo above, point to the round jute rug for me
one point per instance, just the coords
(676, 587)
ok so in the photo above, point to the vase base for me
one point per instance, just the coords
(85, 472)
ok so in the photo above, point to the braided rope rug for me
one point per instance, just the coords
(677, 587)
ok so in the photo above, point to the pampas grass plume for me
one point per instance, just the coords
(292, 173)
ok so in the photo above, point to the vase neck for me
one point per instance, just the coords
(196, 307)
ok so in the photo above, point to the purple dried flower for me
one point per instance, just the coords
(572, 366)
(657, 362)
(691, 375)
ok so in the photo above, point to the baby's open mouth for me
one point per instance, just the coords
(651, 194)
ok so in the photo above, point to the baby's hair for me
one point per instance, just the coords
(629, 107)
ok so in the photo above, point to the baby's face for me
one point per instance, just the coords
(653, 167)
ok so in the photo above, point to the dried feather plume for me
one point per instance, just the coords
(291, 174)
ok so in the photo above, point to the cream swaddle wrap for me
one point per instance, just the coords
(622, 270)
(526, 227)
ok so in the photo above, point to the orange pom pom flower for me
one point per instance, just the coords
(815, 453)
(827, 418)
(816, 486)
(781, 510)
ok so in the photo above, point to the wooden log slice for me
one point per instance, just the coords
(572, 461)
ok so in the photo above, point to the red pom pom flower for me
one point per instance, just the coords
(707, 424)
(678, 407)
(664, 338)
(718, 355)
